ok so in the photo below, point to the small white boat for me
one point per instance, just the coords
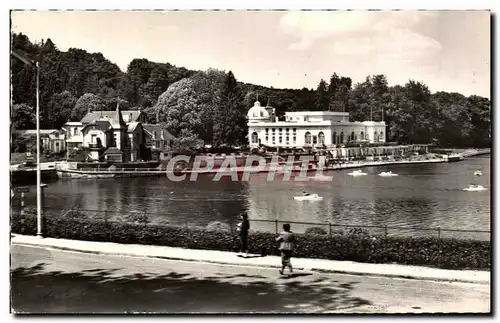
(475, 188)
(387, 174)
(478, 173)
(357, 172)
(308, 197)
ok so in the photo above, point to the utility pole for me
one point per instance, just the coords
(38, 169)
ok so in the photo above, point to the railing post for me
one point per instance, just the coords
(439, 233)
(276, 225)
(385, 230)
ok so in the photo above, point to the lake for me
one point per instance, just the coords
(423, 196)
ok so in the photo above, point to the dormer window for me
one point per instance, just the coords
(75, 131)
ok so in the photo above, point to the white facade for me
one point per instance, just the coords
(309, 129)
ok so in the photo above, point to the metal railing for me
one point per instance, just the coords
(384, 230)
(274, 225)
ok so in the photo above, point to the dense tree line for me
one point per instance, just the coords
(210, 106)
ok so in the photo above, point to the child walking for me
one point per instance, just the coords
(287, 244)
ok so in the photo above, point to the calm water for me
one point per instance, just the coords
(422, 196)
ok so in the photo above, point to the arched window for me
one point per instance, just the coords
(375, 136)
(255, 137)
(334, 137)
(381, 138)
(308, 138)
(321, 138)
(352, 136)
(362, 135)
(341, 137)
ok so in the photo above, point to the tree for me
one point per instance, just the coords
(230, 124)
(87, 103)
(186, 142)
(177, 108)
(22, 117)
(60, 108)
(322, 100)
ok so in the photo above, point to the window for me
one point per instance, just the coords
(154, 134)
(362, 135)
(321, 138)
(93, 140)
(273, 129)
(255, 137)
(287, 129)
(315, 140)
(287, 140)
(274, 140)
(308, 138)
(341, 140)
(334, 137)
(279, 139)
(75, 131)
(294, 129)
(267, 138)
(267, 130)
(294, 139)
(381, 136)
(352, 136)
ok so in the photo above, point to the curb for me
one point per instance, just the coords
(318, 270)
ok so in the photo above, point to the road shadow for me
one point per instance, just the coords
(251, 256)
(37, 289)
(295, 275)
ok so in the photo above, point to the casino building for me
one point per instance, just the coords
(309, 129)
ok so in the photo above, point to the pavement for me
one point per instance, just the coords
(50, 281)
(231, 258)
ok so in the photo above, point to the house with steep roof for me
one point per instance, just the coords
(157, 137)
(100, 130)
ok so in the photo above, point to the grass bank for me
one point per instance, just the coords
(355, 246)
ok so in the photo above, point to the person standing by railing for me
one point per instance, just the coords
(287, 245)
(243, 228)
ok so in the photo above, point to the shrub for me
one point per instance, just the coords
(218, 226)
(428, 251)
(315, 231)
(137, 217)
(73, 213)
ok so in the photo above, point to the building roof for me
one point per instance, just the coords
(316, 113)
(258, 112)
(96, 115)
(32, 132)
(132, 126)
(113, 151)
(103, 125)
(150, 128)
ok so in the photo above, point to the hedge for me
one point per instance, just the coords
(354, 246)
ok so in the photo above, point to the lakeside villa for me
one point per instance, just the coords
(309, 129)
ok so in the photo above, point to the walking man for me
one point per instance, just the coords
(287, 244)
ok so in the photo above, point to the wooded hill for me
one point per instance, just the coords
(210, 106)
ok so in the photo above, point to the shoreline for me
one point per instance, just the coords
(96, 174)
(61, 170)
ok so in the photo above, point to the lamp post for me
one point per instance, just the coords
(38, 170)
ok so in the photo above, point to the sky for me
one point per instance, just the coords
(447, 50)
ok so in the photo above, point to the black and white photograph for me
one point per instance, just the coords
(250, 161)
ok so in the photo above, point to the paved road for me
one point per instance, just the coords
(54, 281)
